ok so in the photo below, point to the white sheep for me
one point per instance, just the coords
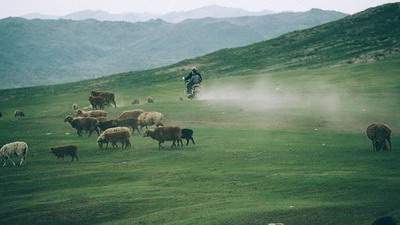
(147, 119)
(19, 149)
(114, 136)
(93, 113)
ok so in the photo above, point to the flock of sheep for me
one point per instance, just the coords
(119, 131)
(112, 132)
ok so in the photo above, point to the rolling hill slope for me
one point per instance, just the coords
(37, 52)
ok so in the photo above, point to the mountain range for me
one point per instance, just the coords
(213, 11)
(37, 52)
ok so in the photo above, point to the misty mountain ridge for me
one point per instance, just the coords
(213, 11)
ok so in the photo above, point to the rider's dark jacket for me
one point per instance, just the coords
(194, 77)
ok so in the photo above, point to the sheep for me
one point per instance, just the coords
(97, 102)
(104, 125)
(89, 124)
(19, 149)
(162, 134)
(69, 150)
(93, 113)
(131, 123)
(132, 114)
(75, 106)
(147, 119)
(1, 114)
(187, 134)
(181, 99)
(380, 135)
(114, 136)
(19, 113)
(136, 102)
(101, 118)
(150, 100)
(108, 96)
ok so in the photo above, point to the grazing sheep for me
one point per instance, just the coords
(131, 123)
(147, 119)
(89, 124)
(181, 99)
(1, 114)
(19, 149)
(187, 134)
(97, 102)
(136, 102)
(93, 113)
(101, 118)
(380, 135)
(75, 106)
(162, 134)
(19, 113)
(108, 96)
(114, 136)
(132, 114)
(104, 125)
(69, 150)
(150, 100)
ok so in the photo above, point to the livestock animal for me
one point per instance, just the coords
(1, 114)
(136, 102)
(18, 149)
(147, 119)
(108, 96)
(187, 134)
(62, 151)
(19, 113)
(88, 124)
(162, 134)
(93, 113)
(150, 100)
(97, 102)
(75, 106)
(380, 135)
(104, 125)
(114, 136)
(132, 114)
(131, 123)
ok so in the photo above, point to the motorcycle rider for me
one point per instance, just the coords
(192, 79)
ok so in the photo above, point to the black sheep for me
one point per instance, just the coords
(187, 134)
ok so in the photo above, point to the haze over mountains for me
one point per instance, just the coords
(37, 52)
(213, 11)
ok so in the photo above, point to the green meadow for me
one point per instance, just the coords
(301, 161)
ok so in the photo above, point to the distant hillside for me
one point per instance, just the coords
(36, 52)
(213, 11)
(366, 37)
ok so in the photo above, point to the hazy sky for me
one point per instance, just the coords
(61, 7)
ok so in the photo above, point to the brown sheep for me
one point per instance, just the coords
(131, 123)
(380, 135)
(114, 136)
(69, 150)
(150, 100)
(88, 124)
(136, 102)
(162, 134)
(108, 96)
(93, 113)
(97, 102)
(132, 114)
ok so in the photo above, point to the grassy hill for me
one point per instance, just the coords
(37, 52)
(279, 131)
